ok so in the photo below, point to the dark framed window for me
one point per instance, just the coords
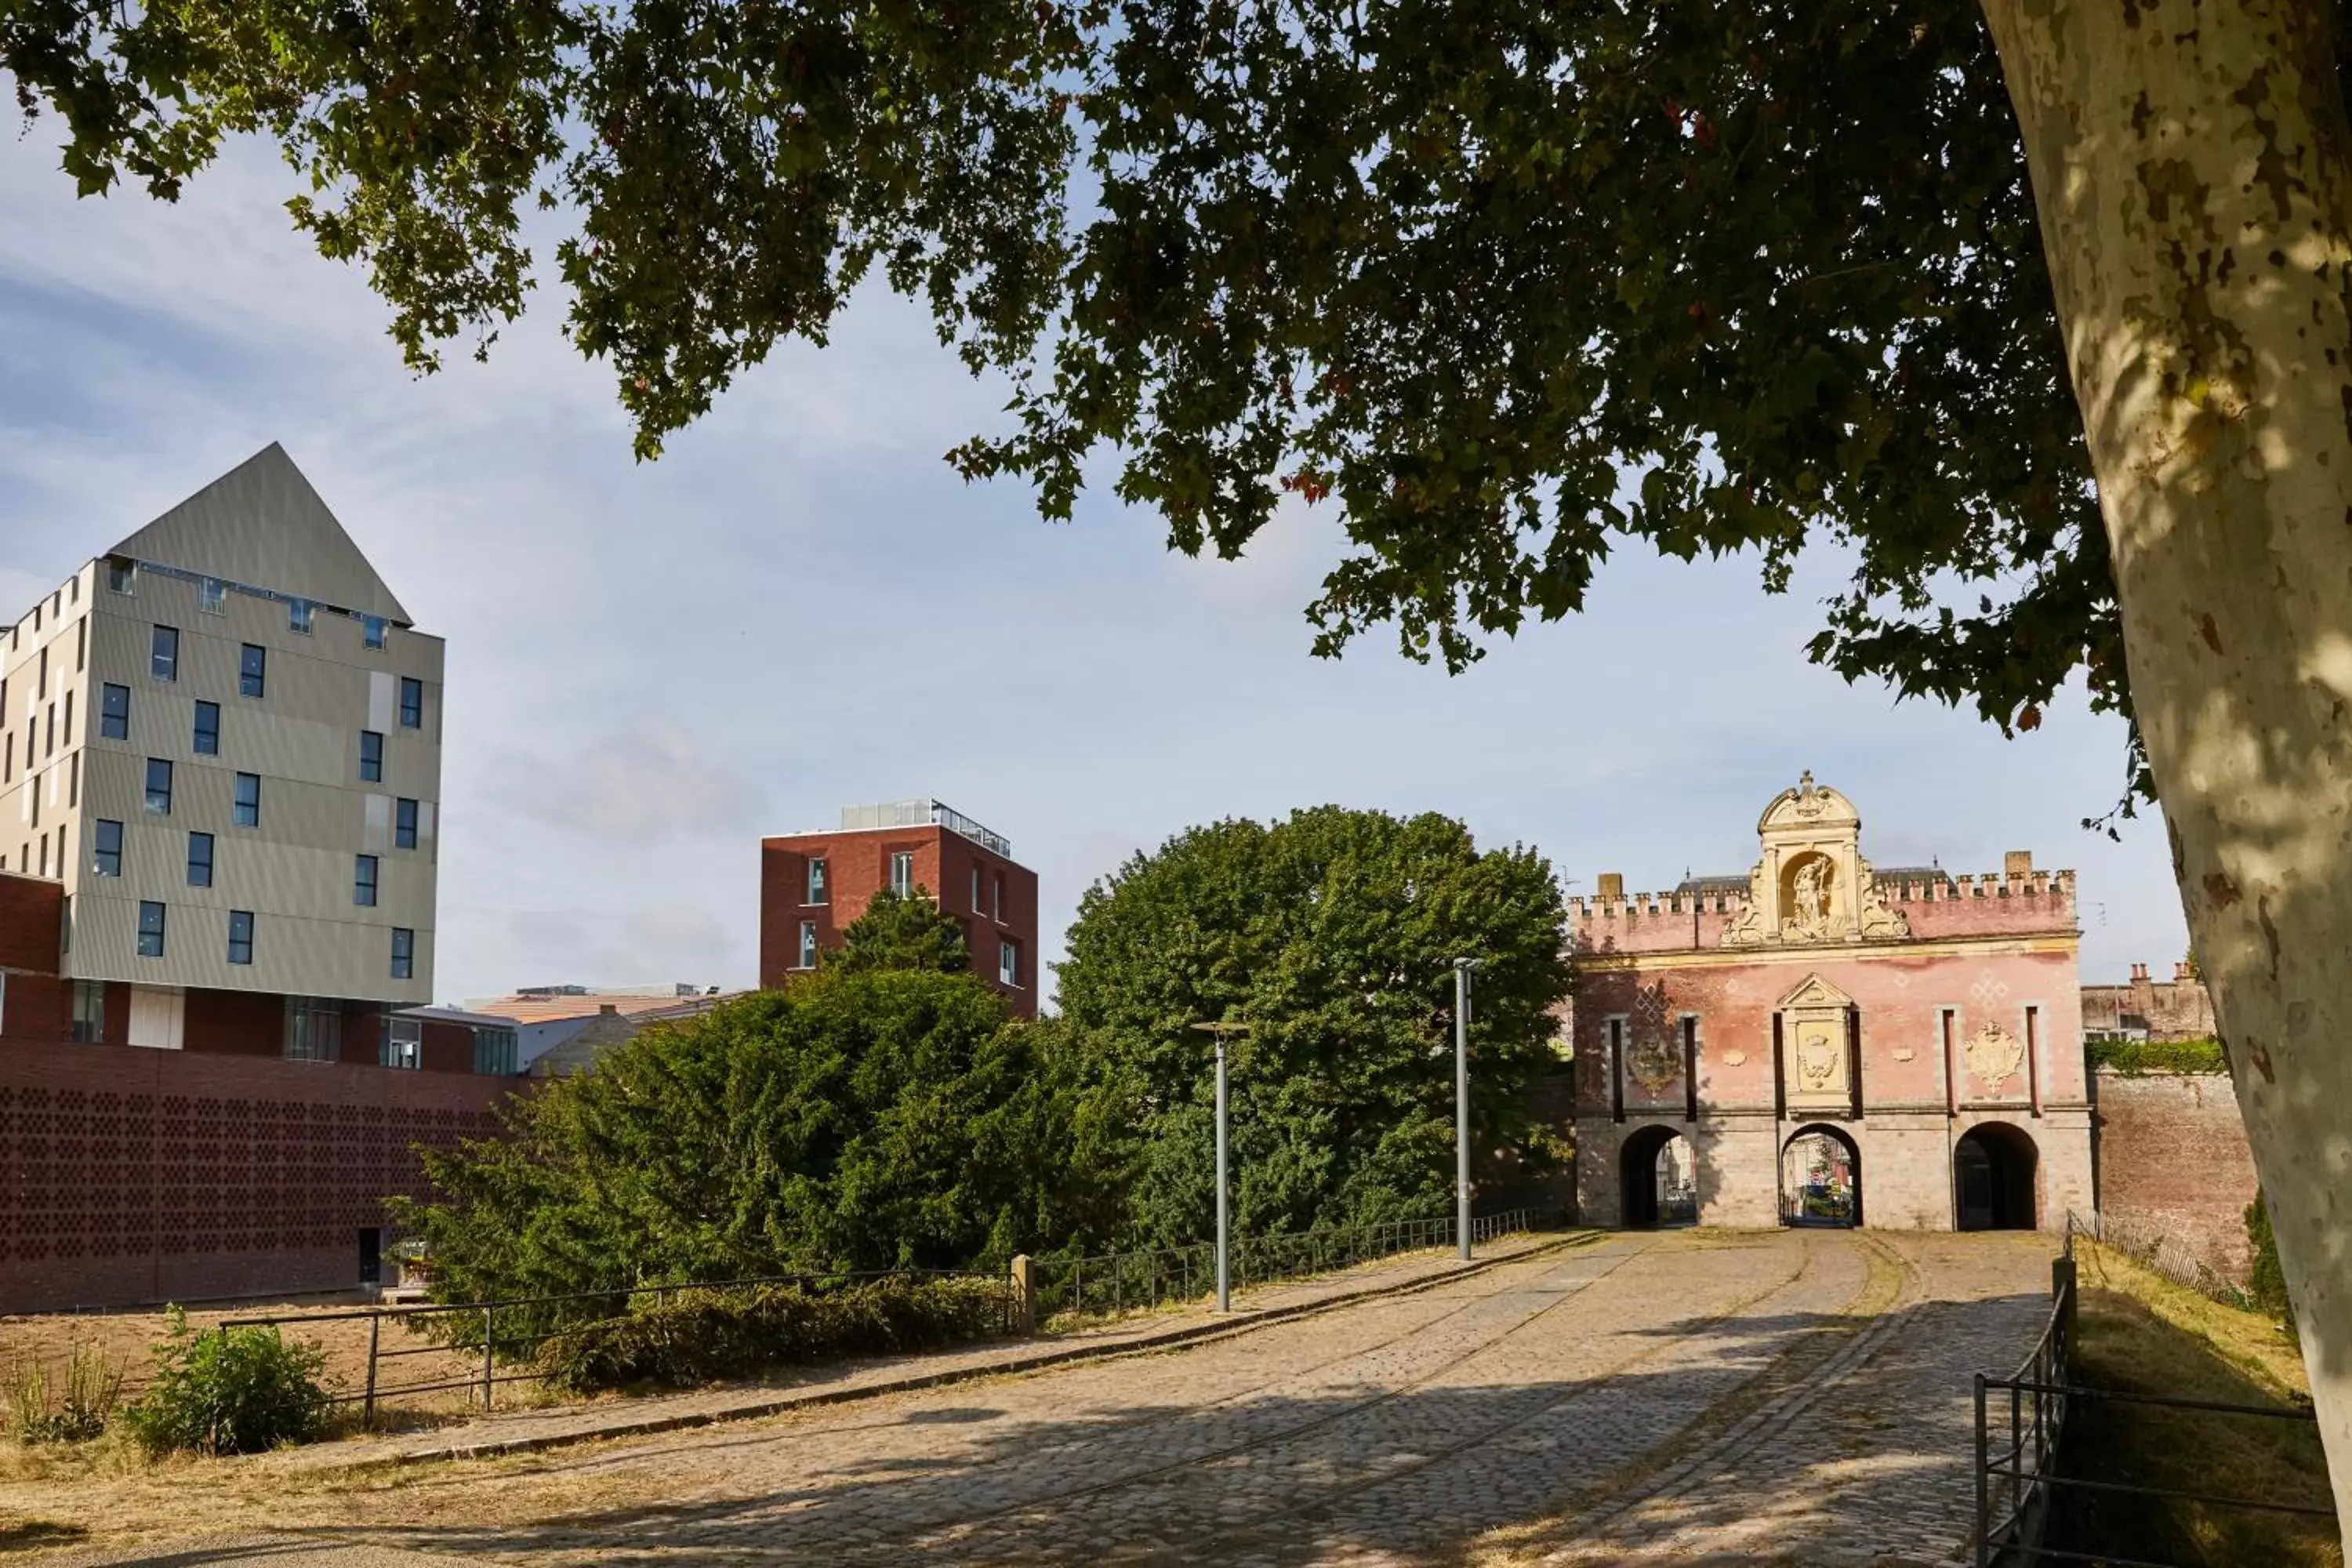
(404, 824)
(252, 671)
(815, 882)
(363, 881)
(209, 594)
(371, 630)
(240, 936)
(151, 929)
(371, 757)
(113, 713)
(106, 849)
(808, 944)
(402, 1043)
(89, 1012)
(298, 616)
(246, 810)
(495, 1051)
(902, 873)
(1008, 963)
(208, 728)
(159, 787)
(412, 703)
(404, 954)
(122, 576)
(164, 654)
(200, 859)
(314, 1029)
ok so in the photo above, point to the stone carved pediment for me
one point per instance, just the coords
(1814, 992)
(1812, 884)
(1813, 1022)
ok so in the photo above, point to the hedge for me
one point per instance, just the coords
(2133, 1057)
(702, 1335)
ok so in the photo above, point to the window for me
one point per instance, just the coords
(371, 757)
(816, 883)
(1008, 963)
(314, 1029)
(208, 728)
(495, 1051)
(164, 654)
(81, 640)
(808, 944)
(298, 616)
(240, 936)
(122, 576)
(113, 713)
(371, 630)
(159, 787)
(252, 671)
(363, 882)
(402, 1043)
(200, 859)
(404, 824)
(902, 873)
(106, 853)
(247, 811)
(412, 703)
(210, 592)
(151, 929)
(975, 889)
(999, 892)
(404, 954)
(89, 1012)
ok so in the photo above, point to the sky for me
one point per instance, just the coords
(800, 606)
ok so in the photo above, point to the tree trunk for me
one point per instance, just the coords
(2188, 162)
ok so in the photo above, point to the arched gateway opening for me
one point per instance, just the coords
(1994, 1167)
(1657, 1171)
(1821, 1178)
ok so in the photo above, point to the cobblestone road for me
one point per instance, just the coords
(1800, 1396)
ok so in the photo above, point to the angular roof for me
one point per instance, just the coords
(520, 1009)
(261, 524)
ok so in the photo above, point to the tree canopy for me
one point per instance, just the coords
(1332, 935)
(894, 932)
(1502, 280)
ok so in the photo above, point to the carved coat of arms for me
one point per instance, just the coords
(1650, 1061)
(1994, 1056)
(1817, 1059)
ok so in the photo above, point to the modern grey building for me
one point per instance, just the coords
(223, 736)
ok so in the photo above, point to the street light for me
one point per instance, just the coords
(1224, 1292)
(1462, 968)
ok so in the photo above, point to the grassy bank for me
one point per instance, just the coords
(2142, 1333)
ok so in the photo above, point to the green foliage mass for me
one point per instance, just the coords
(698, 1336)
(849, 1121)
(241, 1391)
(1332, 933)
(2133, 1057)
(901, 933)
(1508, 281)
(2265, 1278)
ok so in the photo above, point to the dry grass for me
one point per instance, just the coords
(2142, 1333)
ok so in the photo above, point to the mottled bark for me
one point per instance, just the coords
(2189, 160)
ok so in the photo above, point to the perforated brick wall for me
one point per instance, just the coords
(130, 1175)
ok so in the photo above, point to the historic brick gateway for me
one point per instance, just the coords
(1817, 1042)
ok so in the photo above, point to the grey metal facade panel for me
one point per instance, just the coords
(303, 957)
(261, 523)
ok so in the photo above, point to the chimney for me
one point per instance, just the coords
(2017, 864)
(1613, 884)
(2180, 973)
(604, 1008)
(2139, 971)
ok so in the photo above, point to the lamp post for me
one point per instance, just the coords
(1462, 968)
(1224, 1228)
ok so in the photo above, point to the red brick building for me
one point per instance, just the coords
(1822, 1042)
(813, 884)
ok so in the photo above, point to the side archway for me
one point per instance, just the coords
(1657, 1178)
(1821, 1178)
(1995, 1178)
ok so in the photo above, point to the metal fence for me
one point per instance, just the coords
(471, 1348)
(1112, 1282)
(2018, 1479)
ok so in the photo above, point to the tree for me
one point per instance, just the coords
(893, 932)
(1332, 935)
(850, 1120)
(2039, 308)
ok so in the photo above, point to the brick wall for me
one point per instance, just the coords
(2173, 1165)
(2175, 1009)
(130, 1176)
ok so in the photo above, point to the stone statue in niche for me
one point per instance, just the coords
(1808, 914)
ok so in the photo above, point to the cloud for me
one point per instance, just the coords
(649, 782)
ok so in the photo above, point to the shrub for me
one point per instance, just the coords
(235, 1392)
(2266, 1281)
(93, 1384)
(2133, 1057)
(696, 1336)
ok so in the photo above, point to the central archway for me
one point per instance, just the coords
(1657, 1173)
(1821, 1178)
(1994, 1167)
